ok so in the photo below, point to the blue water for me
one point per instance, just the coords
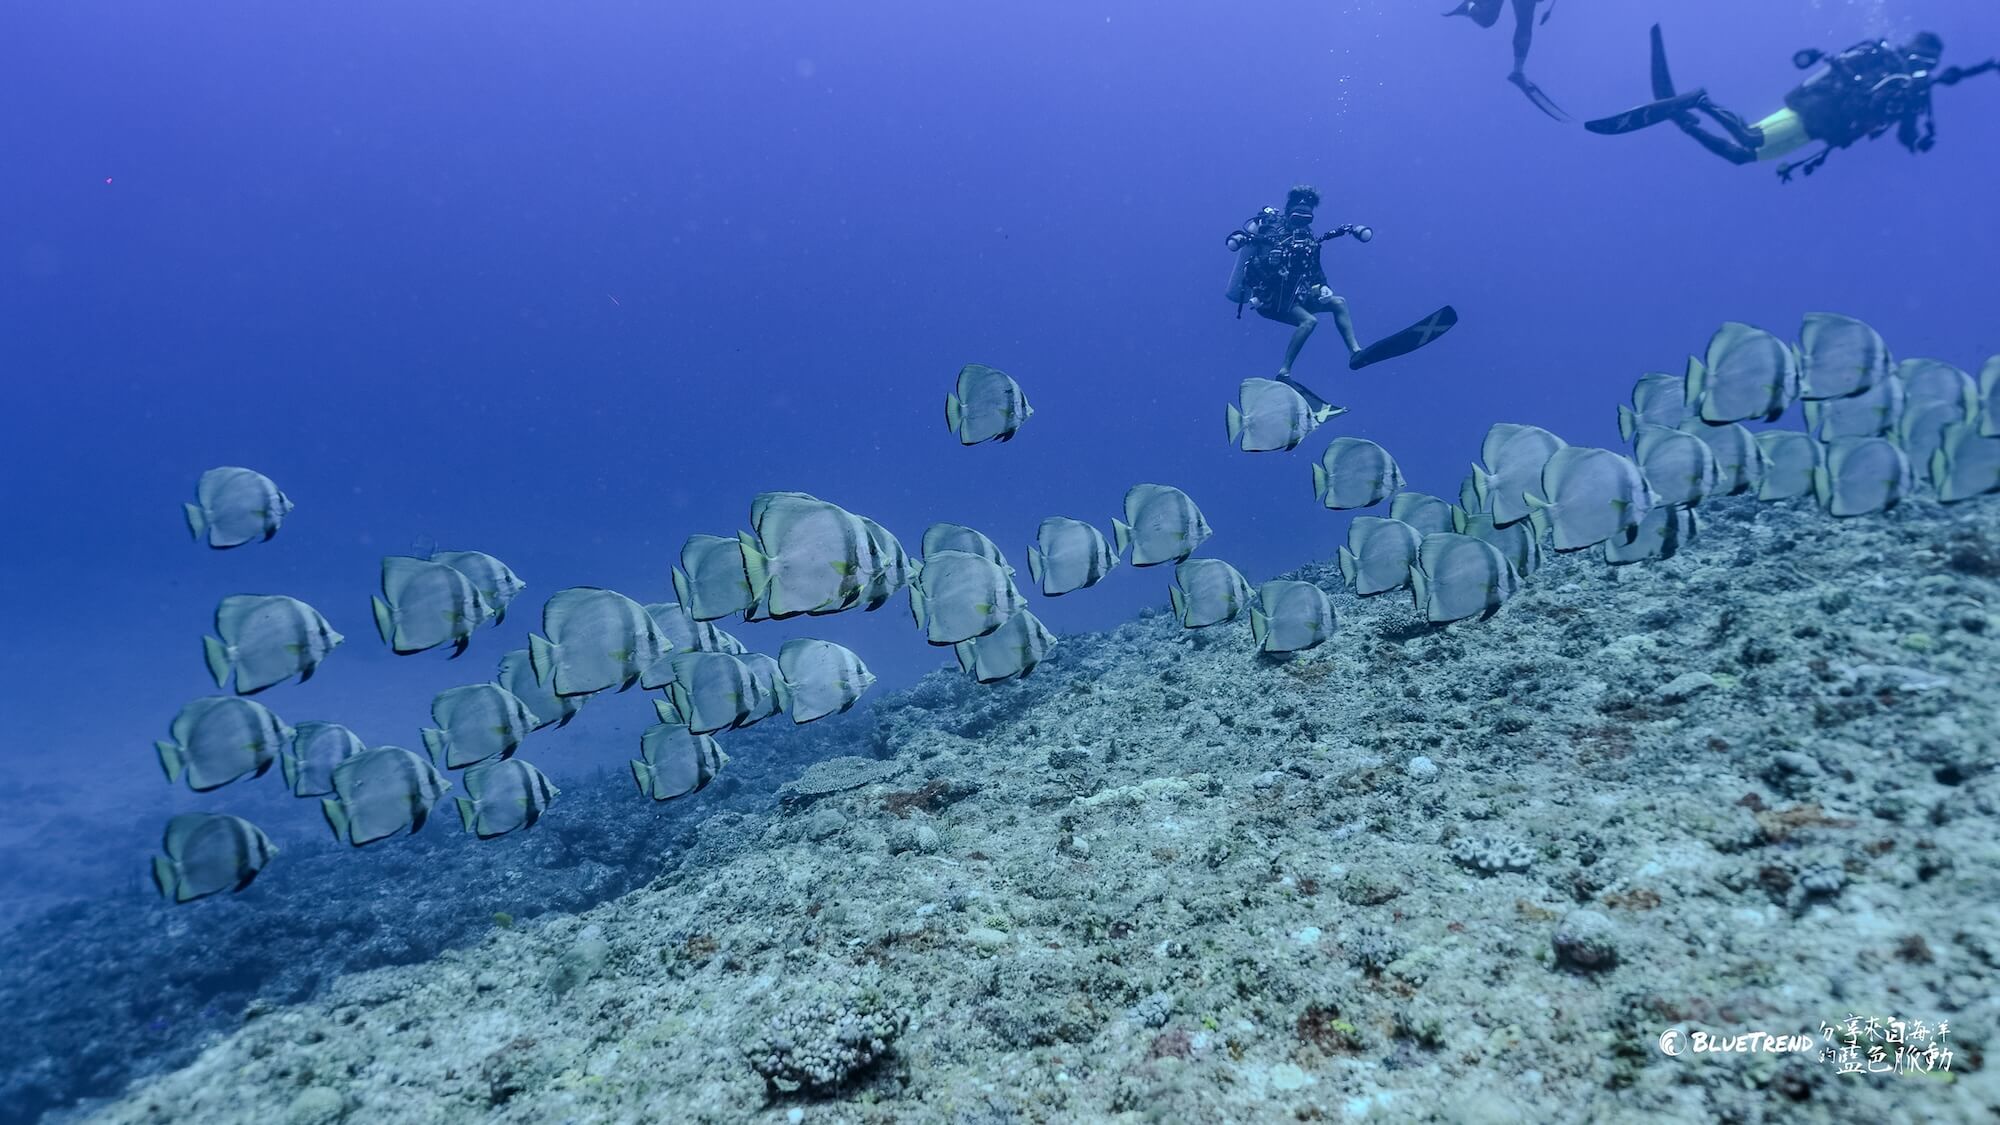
(567, 283)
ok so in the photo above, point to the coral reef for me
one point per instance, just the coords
(1753, 787)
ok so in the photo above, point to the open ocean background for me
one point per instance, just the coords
(568, 283)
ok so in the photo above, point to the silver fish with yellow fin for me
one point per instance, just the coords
(673, 760)
(425, 604)
(207, 853)
(986, 405)
(234, 506)
(503, 796)
(266, 639)
(380, 792)
(219, 738)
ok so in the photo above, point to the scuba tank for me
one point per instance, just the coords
(1240, 288)
(1837, 105)
(1272, 271)
(1268, 269)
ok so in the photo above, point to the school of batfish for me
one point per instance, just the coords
(1877, 431)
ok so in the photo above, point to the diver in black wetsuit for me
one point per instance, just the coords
(1278, 273)
(1863, 93)
(1486, 13)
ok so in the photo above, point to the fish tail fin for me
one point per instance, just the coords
(218, 656)
(288, 763)
(756, 565)
(954, 412)
(1350, 566)
(468, 811)
(642, 774)
(1035, 564)
(680, 579)
(783, 691)
(542, 659)
(171, 760)
(1234, 421)
(1179, 602)
(438, 744)
(385, 621)
(1628, 422)
(164, 875)
(1319, 482)
(336, 817)
(658, 674)
(196, 521)
(1121, 536)
(1260, 626)
(917, 604)
(677, 694)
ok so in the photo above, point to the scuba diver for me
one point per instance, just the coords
(1486, 13)
(1278, 273)
(1863, 92)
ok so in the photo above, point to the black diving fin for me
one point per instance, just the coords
(1652, 113)
(1406, 341)
(1321, 409)
(1542, 101)
(1663, 83)
(1665, 106)
(1485, 13)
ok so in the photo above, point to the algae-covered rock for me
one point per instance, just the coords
(837, 775)
(820, 1044)
(1586, 940)
(316, 1105)
(583, 960)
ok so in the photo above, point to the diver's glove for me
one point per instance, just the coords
(1953, 75)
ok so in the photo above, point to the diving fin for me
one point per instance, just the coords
(1485, 13)
(1652, 113)
(1320, 408)
(1313, 401)
(1542, 101)
(1663, 83)
(1406, 341)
